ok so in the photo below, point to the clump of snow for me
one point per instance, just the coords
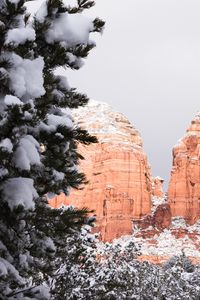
(63, 83)
(19, 36)
(7, 144)
(47, 244)
(23, 260)
(26, 77)
(3, 172)
(58, 175)
(42, 12)
(71, 57)
(43, 292)
(27, 153)
(19, 192)
(54, 121)
(51, 195)
(70, 28)
(7, 268)
(14, 1)
(12, 100)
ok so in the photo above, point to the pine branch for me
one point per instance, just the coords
(20, 292)
(98, 25)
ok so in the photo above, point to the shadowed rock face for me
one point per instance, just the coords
(184, 186)
(120, 185)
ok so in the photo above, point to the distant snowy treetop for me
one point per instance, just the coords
(101, 119)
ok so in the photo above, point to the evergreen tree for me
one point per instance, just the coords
(38, 139)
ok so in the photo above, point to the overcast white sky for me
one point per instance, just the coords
(147, 66)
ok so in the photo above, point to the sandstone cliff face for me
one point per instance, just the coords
(184, 186)
(119, 188)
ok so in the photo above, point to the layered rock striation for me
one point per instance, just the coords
(184, 186)
(120, 183)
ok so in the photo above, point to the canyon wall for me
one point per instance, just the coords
(184, 186)
(120, 183)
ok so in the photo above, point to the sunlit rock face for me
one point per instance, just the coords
(120, 184)
(184, 186)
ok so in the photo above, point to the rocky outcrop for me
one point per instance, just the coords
(157, 187)
(162, 217)
(184, 186)
(159, 219)
(120, 186)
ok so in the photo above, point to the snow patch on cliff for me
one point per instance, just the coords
(101, 119)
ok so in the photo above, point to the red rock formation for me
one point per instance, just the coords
(184, 186)
(119, 176)
(162, 216)
(157, 187)
(158, 220)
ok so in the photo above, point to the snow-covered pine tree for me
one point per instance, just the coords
(38, 139)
